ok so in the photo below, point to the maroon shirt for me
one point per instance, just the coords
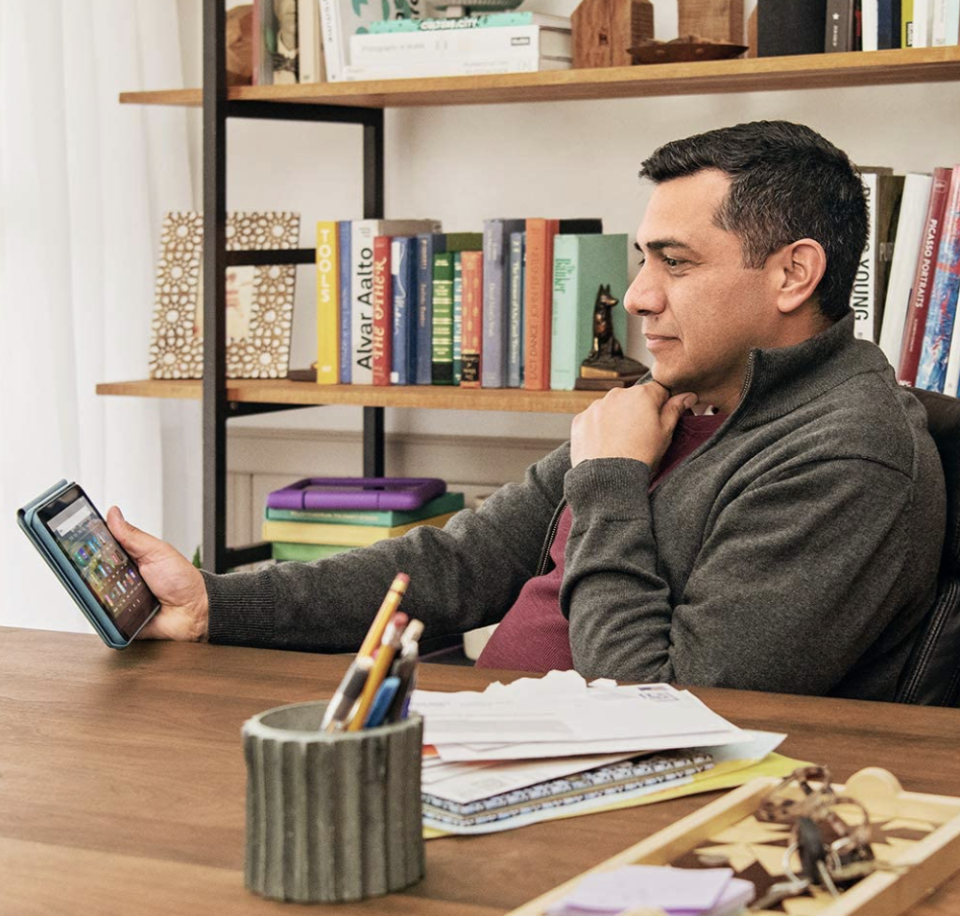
(534, 635)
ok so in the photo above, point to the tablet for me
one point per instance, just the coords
(373, 493)
(104, 581)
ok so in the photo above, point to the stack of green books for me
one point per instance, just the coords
(312, 534)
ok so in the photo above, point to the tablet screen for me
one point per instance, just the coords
(105, 567)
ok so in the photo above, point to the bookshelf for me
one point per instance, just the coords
(363, 104)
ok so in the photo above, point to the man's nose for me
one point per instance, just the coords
(644, 295)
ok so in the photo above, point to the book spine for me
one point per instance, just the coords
(863, 298)
(564, 366)
(888, 24)
(427, 244)
(465, 23)
(515, 312)
(332, 35)
(419, 47)
(906, 23)
(938, 28)
(922, 280)
(922, 22)
(538, 294)
(328, 305)
(308, 40)
(840, 26)
(457, 317)
(906, 253)
(931, 373)
(473, 318)
(382, 310)
(404, 337)
(442, 345)
(344, 232)
(871, 24)
(494, 306)
(361, 332)
(467, 66)
(346, 535)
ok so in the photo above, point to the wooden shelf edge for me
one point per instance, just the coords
(431, 397)
(809, 71)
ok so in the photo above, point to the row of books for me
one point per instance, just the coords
(401, 303)
(304, 535)
(312, 41)
(917, 329)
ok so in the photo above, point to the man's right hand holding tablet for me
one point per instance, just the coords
(175, 581)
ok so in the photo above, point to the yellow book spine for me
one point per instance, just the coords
(328, 305)
(341, 535)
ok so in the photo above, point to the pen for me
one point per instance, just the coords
(381, 665)
(405, 668)
(351, 686)
(386, 612)
(382, 702)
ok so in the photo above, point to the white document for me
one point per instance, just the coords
(562, 711)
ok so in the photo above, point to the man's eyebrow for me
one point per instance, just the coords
(660, 244)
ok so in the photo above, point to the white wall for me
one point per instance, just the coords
(558, 159)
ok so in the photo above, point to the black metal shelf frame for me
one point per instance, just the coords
(217, 109)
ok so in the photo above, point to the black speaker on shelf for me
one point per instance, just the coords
(787, 27)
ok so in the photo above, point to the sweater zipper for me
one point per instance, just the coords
(551, 534)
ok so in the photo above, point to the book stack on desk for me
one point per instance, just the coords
(577, 748)
(305, 535)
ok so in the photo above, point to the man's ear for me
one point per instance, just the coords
(799, 268)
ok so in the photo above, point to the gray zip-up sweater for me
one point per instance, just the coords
(795, 551)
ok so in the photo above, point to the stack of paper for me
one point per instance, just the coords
(630, 888)
(576, 748)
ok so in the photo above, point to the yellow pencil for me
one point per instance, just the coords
(387, 610)
(381, 665)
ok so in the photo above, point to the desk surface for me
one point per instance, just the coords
(122, 780)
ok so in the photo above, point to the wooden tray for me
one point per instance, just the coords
(920, 834)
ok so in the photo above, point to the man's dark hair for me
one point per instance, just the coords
(787, 183)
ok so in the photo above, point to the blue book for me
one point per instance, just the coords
(457, 318)
(888, 24)
(496, 252)
(403, 270)
(518, 242)
(428, 244)
(346, 350)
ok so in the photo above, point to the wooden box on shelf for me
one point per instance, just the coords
(604, 29)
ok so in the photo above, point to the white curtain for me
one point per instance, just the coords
(84, 182)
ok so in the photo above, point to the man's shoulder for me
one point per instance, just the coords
(870, 417)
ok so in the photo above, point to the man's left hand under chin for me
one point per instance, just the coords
(635, 422)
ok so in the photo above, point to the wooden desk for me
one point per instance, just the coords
(122, 781)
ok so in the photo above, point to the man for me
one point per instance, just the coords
(785, 537)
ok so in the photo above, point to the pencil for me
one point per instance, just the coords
(386, 612)
(381, 666)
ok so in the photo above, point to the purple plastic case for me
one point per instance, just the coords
(357, 493)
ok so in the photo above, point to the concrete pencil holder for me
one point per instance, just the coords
(331, 817)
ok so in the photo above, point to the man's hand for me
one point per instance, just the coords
(635, 422)
(175, 581)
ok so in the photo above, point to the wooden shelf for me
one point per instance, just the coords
(433, 397)
(764, 74)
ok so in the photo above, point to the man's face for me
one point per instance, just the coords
(702, 310)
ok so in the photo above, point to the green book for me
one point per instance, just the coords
(448, 502)
(442, 373)
(304, 553)
(581, 265)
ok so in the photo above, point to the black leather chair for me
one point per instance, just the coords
(932, 675)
